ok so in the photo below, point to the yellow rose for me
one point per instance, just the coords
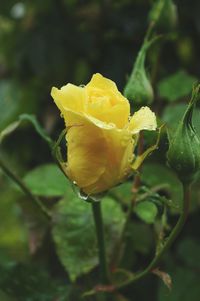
(102, 135)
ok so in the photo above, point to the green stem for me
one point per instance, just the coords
(149, 31)
(96, 208)
(24, 188)
(175, 232)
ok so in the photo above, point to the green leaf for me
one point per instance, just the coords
(32, 283)
(184, 272)
(176, 85)
(154, 174)
(146, 211)
(74, 233)
(173, 114)
(139, 240)
(122, 193)
(47, 180)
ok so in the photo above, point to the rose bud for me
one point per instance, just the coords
(138, 88)
(164, 15)
(184, 147)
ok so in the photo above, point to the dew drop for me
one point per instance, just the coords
(130, 159)
(125, 140)
(125, 173)
(83, 195)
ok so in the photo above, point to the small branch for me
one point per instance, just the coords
(175, 232)
(25, 189)
(151, 191)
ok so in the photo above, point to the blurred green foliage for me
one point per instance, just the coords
(49, 43)
(73, 223)
(176, 86)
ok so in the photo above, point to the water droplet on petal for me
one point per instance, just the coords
(125, 172)
(125, 140)
(130, 159)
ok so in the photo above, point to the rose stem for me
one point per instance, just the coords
(97, 214)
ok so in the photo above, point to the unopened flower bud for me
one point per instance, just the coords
(164, 14)
(138, 87)
(184, 148)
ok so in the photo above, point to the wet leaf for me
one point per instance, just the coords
(151, 176)
(173, 114)
(122, 193)
(74, 233)
(176, 85)
(184, 272)
(27, 282)
(146, 211)
(47, 180)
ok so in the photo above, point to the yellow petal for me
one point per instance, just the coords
(117, 114)
(69, 97)
(99, 155)
(144, 119)
(100, 82)
(105, 102)
(86, 156)
(118, 165)
(100, 98)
